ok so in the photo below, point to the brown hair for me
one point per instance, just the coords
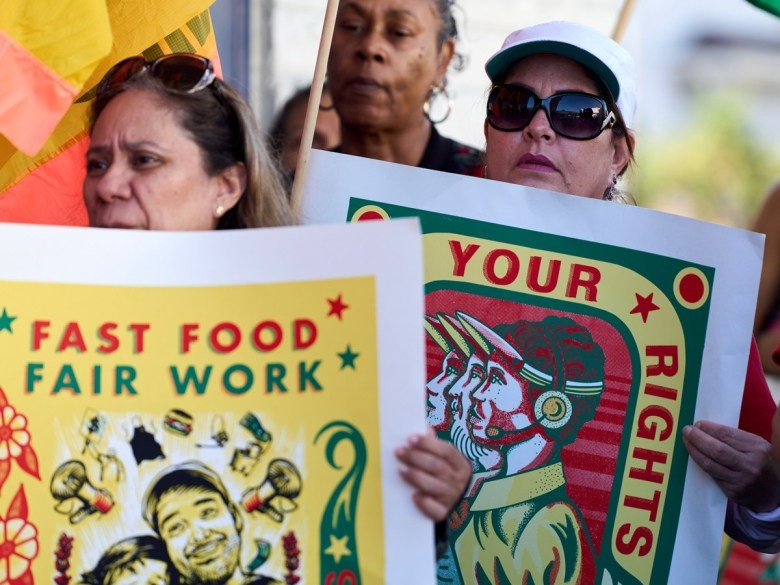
(223, 125)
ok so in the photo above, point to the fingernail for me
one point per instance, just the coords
(414, 439)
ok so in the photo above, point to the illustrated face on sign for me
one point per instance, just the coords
(143, 572)
(460, 400)
(501, 404)
(201, 535)
(452, 368)
(462, 390)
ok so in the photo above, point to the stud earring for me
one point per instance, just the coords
(219, 211)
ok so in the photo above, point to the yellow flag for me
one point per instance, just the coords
(46, 187)
(49, 50)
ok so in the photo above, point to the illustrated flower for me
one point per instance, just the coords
(13, 433)
(18, 543)
(18, 548)
(15, 442)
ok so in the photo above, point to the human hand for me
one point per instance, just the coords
(738, 461)
(437, 471)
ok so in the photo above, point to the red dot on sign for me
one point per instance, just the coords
(369, 215)
(691, 288)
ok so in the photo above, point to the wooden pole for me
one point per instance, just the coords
(314, 105)
(623, 18)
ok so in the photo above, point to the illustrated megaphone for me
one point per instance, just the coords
(276, 495)
(70, 481)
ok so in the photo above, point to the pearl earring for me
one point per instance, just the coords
(219, 211)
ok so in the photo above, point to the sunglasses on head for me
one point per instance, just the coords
(580, 116)
(180, 72)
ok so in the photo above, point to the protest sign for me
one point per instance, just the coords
(222, 406)
(570, 340)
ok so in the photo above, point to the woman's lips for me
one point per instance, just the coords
(536, 162)
(364, 85)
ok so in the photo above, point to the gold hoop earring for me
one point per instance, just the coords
(433, 95)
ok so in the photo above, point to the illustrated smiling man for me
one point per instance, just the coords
(188, 506)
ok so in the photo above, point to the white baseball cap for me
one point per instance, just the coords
(608, 60)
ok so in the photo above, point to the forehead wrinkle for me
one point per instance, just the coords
(127, 145)
(401, 13)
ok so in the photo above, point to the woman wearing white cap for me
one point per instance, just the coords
(543, 79)
(559, 114)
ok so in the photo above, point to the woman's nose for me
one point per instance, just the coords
(114, 183)
(372, 46)
(539, 127)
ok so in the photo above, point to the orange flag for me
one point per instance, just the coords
(60, 50)
(42, 79)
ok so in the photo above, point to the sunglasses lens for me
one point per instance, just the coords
(121, 72)
(510, 108)
(577, 116)
(182, 72)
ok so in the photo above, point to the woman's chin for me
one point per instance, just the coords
(119, 223)
(537, 180)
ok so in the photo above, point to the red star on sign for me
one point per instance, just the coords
(644, 305)
(336, 307)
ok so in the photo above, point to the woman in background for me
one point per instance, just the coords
(387, 69)
(285, 136)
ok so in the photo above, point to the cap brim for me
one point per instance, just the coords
(507, 57)
(491, 337)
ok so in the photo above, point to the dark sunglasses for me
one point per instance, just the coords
(580, 116)
(180, 72)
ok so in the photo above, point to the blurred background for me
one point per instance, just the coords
(709, 79)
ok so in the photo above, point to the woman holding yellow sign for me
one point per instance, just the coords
(174, 148)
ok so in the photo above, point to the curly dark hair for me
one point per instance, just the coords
(566, 351)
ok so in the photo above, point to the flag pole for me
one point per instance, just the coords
(623, 18)
(312, 110)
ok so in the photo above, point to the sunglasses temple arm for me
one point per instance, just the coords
(609, 121)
